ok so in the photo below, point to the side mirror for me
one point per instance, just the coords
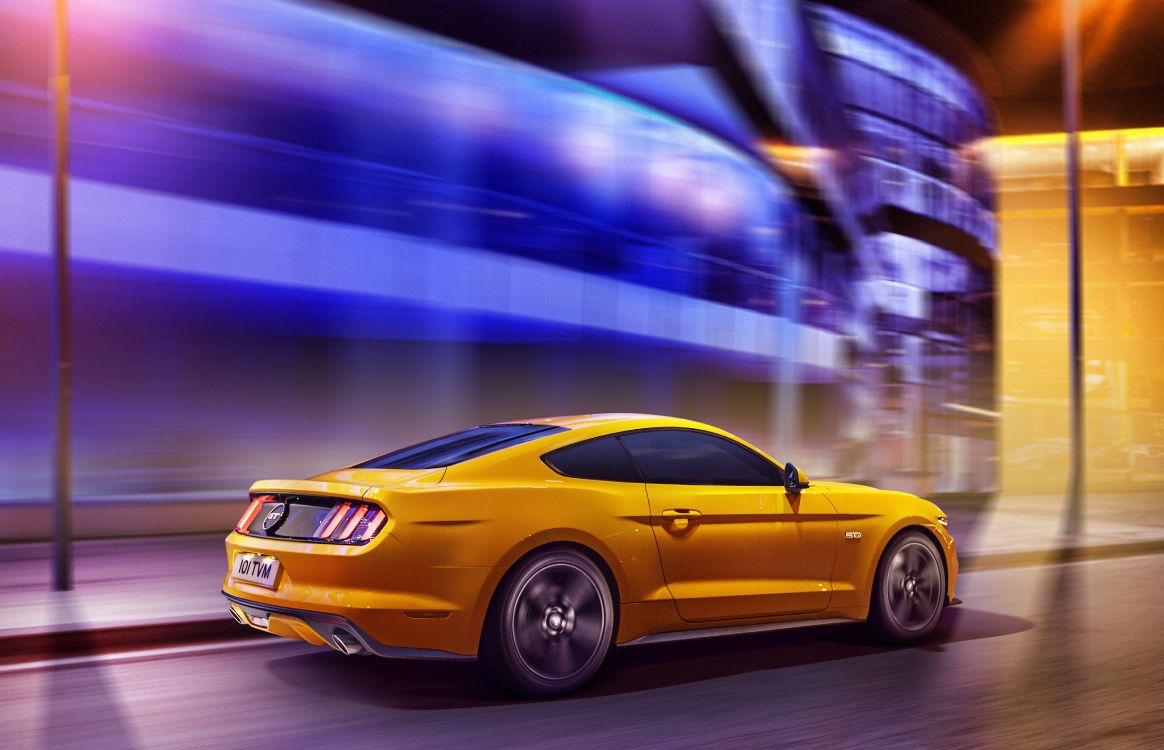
(794, 481)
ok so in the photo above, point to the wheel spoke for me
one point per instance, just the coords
(525, 617)
(901, 609)
(559, 660)
(539, 593)
(579, 592)
(582, 651)
(587, 629)
(913, 558)
(531, 642)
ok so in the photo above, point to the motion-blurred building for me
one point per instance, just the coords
(305, 233)
(1122, 179)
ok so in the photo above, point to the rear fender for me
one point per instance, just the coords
(541, 539)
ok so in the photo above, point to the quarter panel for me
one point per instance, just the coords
(492, 523)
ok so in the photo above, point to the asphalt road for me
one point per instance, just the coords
(1061, 655)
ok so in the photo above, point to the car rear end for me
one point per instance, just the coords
(317, 561)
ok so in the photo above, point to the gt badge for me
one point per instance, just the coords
(275, 517)
(854, 536)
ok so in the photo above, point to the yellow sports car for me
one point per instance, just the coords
(537, 545)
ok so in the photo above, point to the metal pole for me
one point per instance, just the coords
(62, 502)
(1074, 517)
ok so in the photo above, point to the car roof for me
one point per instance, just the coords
(580, 427)
(615, 420)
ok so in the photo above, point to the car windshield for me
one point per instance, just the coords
(460, 446)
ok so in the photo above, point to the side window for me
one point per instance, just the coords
(602, 458)
(691, 457)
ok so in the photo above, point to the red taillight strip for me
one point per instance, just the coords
(251, 512)
(335, 520)
(353, 523)
(375, 521)
(326, 520)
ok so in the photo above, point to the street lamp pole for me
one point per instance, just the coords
(62, 313)
(1074, 517)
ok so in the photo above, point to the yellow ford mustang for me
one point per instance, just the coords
(538, 544)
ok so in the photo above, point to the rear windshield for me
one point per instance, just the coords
(460, 446)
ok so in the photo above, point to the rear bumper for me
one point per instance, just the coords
(388, 598)
(331, 630)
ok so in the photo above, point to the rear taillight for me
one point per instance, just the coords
(372, 524)
(353, 521)
(300, 518)
(332, 520)
(251, 511)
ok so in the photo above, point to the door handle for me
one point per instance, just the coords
(681, 513)
(680, 518)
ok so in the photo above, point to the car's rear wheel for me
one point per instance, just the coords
(909, 591)
(550, 625)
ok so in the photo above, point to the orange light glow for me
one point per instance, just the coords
(1122, 226)
(786, 152)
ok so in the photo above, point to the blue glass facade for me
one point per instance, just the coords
(302, 236)
(921, 127)
(922, 123)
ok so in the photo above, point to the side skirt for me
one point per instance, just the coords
(694, 634)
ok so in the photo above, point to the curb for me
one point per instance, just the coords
(1026, 558)
(58, 644)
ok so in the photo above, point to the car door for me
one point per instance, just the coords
(733, 543)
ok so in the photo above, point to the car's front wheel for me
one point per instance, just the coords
(909, 591)
(550, 625)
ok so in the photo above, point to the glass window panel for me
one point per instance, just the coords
(693, 457)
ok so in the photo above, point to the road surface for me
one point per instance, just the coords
(1061, 655)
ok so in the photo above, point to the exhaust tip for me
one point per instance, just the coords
(346, 643)
(237, 617)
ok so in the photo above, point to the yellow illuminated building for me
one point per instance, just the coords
(1122, 180)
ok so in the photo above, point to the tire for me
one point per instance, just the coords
(909, 591)
(549, 627)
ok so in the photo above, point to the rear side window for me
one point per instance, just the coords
(460, 446)
(603, 458)
(692, 457)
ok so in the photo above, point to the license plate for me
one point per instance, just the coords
(252, 568)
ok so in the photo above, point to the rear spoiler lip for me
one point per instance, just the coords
(351, 483)
(342, 490)
(384, 478)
